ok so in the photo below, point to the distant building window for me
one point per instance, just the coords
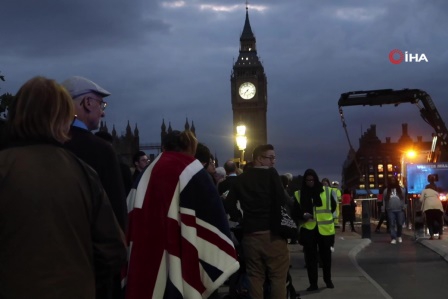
(362, 186)
(372, 186)
(371, 179)
(380, 167)
(390, 168)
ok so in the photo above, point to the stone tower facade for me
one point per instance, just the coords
(249, 97)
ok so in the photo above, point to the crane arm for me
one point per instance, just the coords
(429, 113)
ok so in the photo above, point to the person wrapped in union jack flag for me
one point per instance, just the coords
(179, 238)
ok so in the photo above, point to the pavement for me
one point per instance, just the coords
(349, 279)
(346, 273)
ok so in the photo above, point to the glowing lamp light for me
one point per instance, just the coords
(241, 130)
(411, 154)
(241, 142)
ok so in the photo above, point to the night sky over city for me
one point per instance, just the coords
(172, 60)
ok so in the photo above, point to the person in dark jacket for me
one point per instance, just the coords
(266, 254)
(58, 231)
(315, 211)
(230, 168)
(125, 170)
(141, 161)
(348, 210)
(88, 98)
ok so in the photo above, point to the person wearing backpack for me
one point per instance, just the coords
(394, 205)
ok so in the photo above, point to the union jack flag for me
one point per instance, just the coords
(179, 238)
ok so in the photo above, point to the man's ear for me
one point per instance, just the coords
(85, 103)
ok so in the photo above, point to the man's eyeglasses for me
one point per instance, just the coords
(272, 158)
(103, 104)
(146, 161)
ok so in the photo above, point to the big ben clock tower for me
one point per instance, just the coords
(249, 93)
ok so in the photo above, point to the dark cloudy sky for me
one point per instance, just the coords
(172, 60)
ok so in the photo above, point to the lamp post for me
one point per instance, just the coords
(241, 140)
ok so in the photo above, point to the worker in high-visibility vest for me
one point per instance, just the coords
(316, 204)
(338, 192)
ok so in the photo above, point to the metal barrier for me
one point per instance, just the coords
(367, 209)
(363, 215)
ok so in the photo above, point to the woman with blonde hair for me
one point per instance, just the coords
(59, 234)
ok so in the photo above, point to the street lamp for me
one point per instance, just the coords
(241, 140)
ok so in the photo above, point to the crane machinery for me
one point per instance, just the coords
(437, 159)
(428, 111)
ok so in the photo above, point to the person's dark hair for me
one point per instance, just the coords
(432, 178)
(137, 156)
(170, 141)
(230, 166)
(326, 180)
(105, 135)
(317, 183)
(310, 196)
(392, 183)
(203, 154)
(248, 165)
(260, 150)
(177, 141)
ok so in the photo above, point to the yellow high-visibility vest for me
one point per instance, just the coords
(338, 195)
(322, 216)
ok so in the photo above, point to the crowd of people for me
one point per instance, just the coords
(77, 224)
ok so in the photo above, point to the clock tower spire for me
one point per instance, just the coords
(249, 92)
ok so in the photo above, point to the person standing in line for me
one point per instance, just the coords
(265, 253)
(219, 175)
(125, 170)
(335, 189)
(290, 204)
(338, 193)
(58, 231)
(394, 204)
(204, 156)
(348, 210)
(382, 212)
(230, 168)
(432, 208)
(140, 160)
(181, 245)
(88, 98)
(315, 210)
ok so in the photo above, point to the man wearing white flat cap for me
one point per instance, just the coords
(88, 98)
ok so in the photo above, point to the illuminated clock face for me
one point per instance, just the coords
(247, 90)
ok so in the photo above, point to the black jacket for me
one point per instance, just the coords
(260, 192)
(100, 155)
